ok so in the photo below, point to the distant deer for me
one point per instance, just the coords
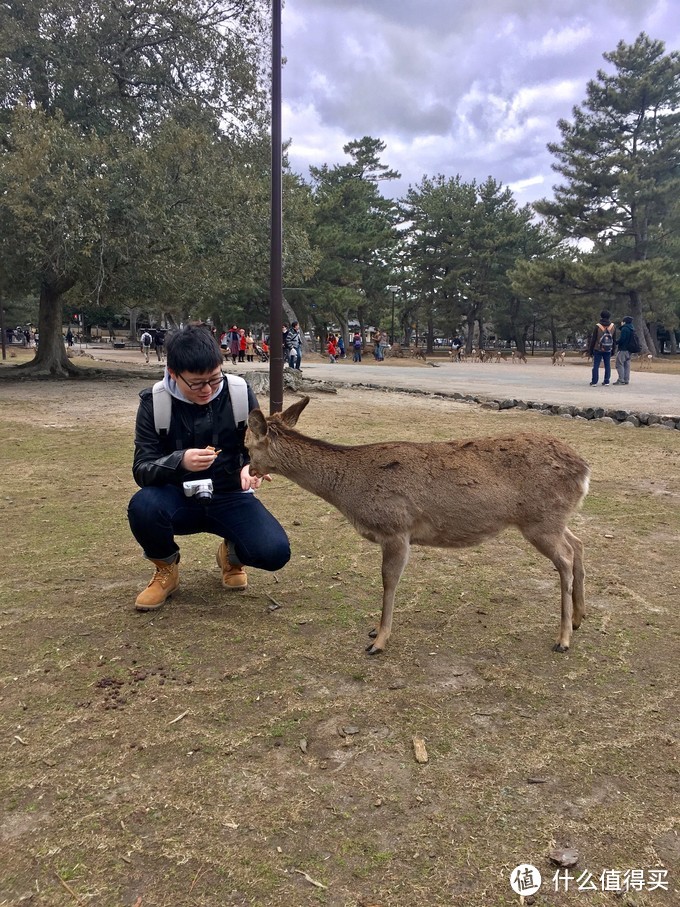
(558, 357)
(446, 494)
(518, 356)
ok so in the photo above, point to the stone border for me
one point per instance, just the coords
(622, 417)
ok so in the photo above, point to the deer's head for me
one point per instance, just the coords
(261, 435)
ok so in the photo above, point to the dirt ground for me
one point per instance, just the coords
(244, 750)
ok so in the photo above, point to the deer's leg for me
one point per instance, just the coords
(579, 591)
(556, 547)
(395, 555)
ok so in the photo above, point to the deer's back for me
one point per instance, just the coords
(455, 493)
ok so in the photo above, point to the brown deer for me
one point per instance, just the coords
(446, 494)
(558, 357)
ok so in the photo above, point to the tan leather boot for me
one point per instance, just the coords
(163, 583)
(233, 577)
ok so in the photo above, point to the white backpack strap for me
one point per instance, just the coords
(162, 408)
(238, 394)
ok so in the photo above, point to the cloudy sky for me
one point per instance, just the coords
(452, 86)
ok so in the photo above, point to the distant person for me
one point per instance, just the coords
(601, 348)
(233, 342)
(356, 346)
(145, 344)
(332, 348)
(159, 342)
(377, 339)
(627, 344)
(250, 347)
(341, 346)
(69, 337)
(293, 343)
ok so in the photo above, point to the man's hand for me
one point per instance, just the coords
(196, 459)
(254, 482)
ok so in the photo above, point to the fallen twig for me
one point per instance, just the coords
(272, 599)
(197, 877)
(68, 888)
(179, 717)
(311, 881)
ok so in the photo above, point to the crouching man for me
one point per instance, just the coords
(194, 474)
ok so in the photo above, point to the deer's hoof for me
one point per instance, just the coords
(373, 633)
(558, 647)
(373, 650)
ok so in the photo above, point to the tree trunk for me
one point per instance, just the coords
(482, 338)
(430, 335)
(470, 334)
(647, 339)
(134, 314)
(50, 358)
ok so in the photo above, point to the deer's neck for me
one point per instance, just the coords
(321, 468)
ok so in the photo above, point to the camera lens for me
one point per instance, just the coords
(203, 495)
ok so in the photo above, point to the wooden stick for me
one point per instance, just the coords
(68, 888)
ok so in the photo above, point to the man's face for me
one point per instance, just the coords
(198, 387)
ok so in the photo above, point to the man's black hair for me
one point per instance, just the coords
(604, 315)
(193, 349)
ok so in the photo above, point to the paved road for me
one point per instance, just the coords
(537, 381)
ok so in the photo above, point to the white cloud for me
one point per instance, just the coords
(559, 42)
(451, 87)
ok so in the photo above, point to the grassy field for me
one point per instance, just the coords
(226, 751)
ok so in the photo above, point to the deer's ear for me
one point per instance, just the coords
(290, 416)
(257, 423)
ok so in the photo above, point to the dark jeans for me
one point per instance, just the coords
(598, 357)
(158, 513)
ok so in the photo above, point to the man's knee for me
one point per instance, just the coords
(274, 555)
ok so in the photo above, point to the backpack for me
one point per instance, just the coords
(146, 339)
(162, 404)
(606, 342)
(634, 345)
(357, 343)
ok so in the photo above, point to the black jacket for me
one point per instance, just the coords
(157, 460)
(626, 337)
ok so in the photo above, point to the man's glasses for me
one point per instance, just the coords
(199, 385)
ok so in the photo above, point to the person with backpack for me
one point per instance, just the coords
(194, 475)
(145, 344)
(356, 346)
(627, 345)
(601, 348)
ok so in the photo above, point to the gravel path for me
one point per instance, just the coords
(537, 381)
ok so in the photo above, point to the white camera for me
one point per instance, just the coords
(202, 489)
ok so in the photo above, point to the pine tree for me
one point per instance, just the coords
(620, 159)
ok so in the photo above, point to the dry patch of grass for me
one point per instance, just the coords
(222, 753)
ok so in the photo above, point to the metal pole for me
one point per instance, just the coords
(392, 335)
(2, 330)
(533, 337)
(276, 238)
